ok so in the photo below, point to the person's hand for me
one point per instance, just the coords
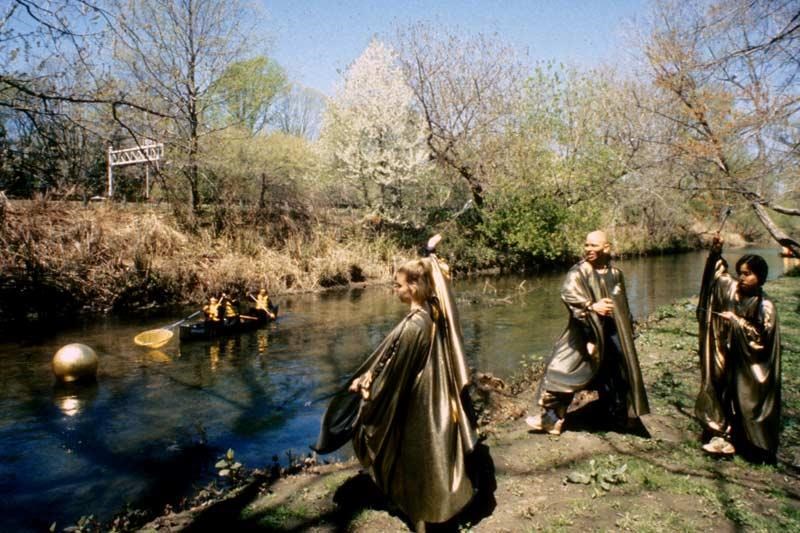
(433, 241)
(604, 307)
(716, 243)
(590, 347)
(727, 315)
(362, 385)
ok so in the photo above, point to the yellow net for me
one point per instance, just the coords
(154, 338)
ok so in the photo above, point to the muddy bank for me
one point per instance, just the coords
(592, 477)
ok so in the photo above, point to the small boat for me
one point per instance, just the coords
(205, 330)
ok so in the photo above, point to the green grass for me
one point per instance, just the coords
(283, 516)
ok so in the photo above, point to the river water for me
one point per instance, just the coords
(155, 422)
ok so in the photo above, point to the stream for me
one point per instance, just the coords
(151, 428)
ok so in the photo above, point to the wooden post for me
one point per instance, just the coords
(110, 173)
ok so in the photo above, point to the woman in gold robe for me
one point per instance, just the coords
(406, 408)
(739, 402)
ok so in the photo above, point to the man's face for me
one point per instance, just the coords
(596, 248)
(402, 288)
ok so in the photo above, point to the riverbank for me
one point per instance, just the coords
(660, 482)
(63, 259)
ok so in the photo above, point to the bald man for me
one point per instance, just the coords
(596, 351)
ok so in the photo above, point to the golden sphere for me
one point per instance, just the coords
(75, 362)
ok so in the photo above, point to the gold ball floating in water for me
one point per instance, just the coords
(75, 362)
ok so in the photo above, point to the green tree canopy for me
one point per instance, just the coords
(246, 90)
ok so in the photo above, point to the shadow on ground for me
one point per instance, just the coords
(592, 418)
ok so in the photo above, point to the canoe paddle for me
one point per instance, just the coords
(156, 338)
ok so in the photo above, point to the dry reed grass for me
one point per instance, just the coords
(108, 257)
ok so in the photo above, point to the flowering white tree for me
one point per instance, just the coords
(371, 135)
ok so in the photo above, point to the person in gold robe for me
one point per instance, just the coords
(229, 309)
(211, 310)
(262, 303)
(406, 408)
(596, 351)
(739, 403)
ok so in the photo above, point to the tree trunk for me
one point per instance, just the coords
(777, 233)
(193, 115)
(263, 192)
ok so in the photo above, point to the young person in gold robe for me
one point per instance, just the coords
(229, 309)
(406, 408)
(739, 403)
(211, 310)
(596, 350)
(262, 303)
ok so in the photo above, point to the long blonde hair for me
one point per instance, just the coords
(418, 273)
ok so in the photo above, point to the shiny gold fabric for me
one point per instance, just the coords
(417, 427)
(262, 302)
(571, 367)
(740, 361)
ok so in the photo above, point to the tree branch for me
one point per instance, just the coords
(47, 97)
(776, 232)
(784, 210)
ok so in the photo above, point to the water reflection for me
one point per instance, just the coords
(157, 356)
(152, 425)
(72, 399)
(263, 342)
(70, 405)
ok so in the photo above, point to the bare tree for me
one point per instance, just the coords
(728, 74)
(52, 51)
(299, 112)
(171, 53)
(465, 89)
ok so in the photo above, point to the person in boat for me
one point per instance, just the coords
(212, 310)
(596, 351)
(229, 310)
(262, 304)
(406, 409)
(739, 403)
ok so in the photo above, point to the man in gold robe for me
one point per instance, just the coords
(596, 351)
(407, 409)
(739, 403)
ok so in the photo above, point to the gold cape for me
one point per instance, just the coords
(570, 367)
(740, 360)
(417, 427)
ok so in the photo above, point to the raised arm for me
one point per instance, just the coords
(715, 274)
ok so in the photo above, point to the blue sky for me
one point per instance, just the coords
(315, 40)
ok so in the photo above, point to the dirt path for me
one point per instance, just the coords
(652, 478)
